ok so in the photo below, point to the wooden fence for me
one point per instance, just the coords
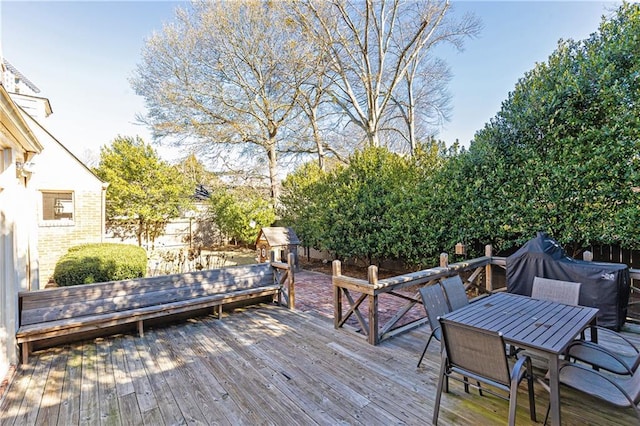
(480, 273)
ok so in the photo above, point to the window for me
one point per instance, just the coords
(57, 206)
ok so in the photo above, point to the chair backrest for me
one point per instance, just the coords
(477, 351)
(435, 303)
(456, 294)
(567, 292)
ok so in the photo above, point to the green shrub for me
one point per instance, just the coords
(95, 263)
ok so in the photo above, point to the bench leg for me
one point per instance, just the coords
(140, 328)
(25, 353)
(217, 311)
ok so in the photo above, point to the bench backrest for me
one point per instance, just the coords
(84, 300)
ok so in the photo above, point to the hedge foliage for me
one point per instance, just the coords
(561, 156)
(94, 263)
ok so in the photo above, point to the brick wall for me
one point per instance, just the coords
(55, 237)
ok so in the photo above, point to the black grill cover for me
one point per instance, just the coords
(604, 285)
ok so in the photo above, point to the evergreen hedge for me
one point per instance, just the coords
(102, 262)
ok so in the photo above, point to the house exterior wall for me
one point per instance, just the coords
(55, 239)
(12, 262)
(56, 170)
(18, 263)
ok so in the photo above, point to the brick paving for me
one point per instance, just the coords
(314, 292)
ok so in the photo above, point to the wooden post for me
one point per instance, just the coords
(373, 319)
(26, 348)
(372, 277)
(336, 267)
(444, 260)
(291, 281)
(488, 274)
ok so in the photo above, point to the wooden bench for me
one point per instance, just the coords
(79, 311)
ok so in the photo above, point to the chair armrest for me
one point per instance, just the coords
(600, 349)
(617, 335)
(523, 362)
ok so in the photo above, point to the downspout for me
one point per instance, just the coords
(103, 211)
(32, 261)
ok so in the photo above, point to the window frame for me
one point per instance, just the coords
(66, 201)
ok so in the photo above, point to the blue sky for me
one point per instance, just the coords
(82, 53)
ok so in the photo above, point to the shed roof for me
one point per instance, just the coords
(278, 236)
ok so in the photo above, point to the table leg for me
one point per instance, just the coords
(554, 390)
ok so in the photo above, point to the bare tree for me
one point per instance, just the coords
(223, 79)
(422, 102)
(320, 125)
(373, 46)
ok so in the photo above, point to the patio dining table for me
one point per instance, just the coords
(542, 327)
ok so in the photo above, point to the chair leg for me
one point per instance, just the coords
(532, 398)
(442, 381)
(465, 380)
(425, 349)
(513, 402)
(546, 416)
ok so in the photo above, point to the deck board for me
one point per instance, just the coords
(69, 412)
(167, 406)
(107, 394)
(51, 398)
(260, 365)
(173, 370)
(89, 398)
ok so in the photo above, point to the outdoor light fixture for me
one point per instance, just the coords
(461, 248)
(58, 208)
(24, 169)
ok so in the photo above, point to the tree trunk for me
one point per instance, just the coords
(318, 140)
(273, 171)
(139, 231)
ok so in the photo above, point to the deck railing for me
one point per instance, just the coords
(284, 274)
(357, 292)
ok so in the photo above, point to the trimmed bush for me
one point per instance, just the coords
(95, 263)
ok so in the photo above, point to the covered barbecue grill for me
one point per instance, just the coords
(604, 285)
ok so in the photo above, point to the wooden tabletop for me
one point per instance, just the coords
(527, 323)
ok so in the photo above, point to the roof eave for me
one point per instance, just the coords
(16, 126)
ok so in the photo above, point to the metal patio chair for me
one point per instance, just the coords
(620, 356)
(621, 391)
(455, 292)
(435, 305)
(566, 292)
(471, 352)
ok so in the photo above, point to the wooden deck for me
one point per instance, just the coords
(259, 365)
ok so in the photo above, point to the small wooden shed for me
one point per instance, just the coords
(277, 239)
